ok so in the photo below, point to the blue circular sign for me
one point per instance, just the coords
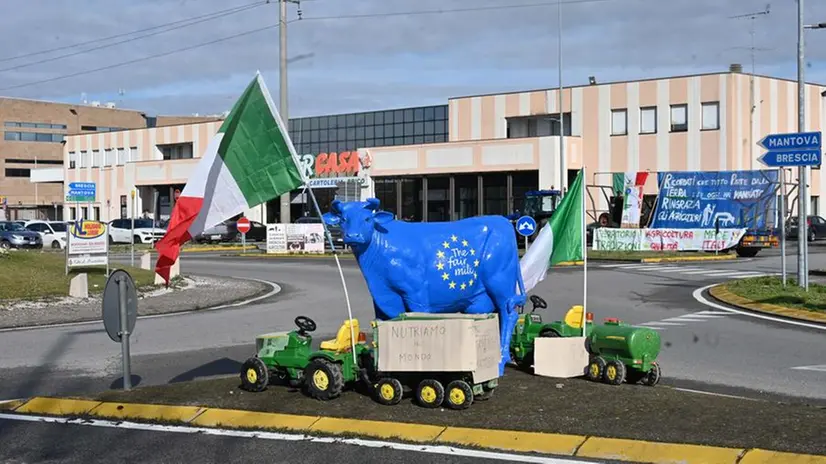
(526, 226)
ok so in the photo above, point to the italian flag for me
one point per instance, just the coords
(249, 161)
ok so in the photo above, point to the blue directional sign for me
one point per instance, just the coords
(797, 149)
(526, 226)
(81, 192)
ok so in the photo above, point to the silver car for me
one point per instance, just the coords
(13, 235)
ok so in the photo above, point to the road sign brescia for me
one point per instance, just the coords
(526, 226)
(795, 149)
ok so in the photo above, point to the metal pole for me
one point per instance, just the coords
(155, 213)
(283, 103)
(783, 223)
(562, 165)
(802, 228)
(243, 242)
(526, 244)
(124, 334)
(584, 259)
(132, 237)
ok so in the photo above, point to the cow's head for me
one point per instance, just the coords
(357, 219)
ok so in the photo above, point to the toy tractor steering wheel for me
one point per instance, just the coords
(538, 302)
(305, 325)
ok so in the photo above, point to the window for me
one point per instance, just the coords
(11, 124)
(176, 151)
(121, 156)
(648, 120)
(72, 213)
(109, 157)
(72, 159)
(96, 158)
(133, 155)
(96, 217)
(11, 136)
(84, 159)
(88, 128)
(32, 137)
(711, 115)
(33, 161)
(815, 206)
(619, 122)
(28, 137)
(17, 172)
(679, 118)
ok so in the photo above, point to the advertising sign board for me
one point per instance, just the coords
(295, 238)
(88, 244)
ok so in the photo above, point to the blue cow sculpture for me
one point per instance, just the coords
(465, 266)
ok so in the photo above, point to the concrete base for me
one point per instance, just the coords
(146, 261)
(79, 286)
(174, 271)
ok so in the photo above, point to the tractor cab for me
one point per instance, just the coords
(538, 204)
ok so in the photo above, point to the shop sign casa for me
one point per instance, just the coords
(332, 166)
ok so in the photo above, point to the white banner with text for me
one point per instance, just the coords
(609, 239)
(295, 238)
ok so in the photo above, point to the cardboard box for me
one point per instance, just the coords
(562, 358)
(421, 342)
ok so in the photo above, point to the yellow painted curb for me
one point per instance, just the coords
(146, 411)
(728, 257)
(570, 263)
(645, 451)
(207, 249)
(527, 442)
(758, 456)
(58, 406)
(11, 405)
(233, 418)
(282, 255)
(726, 296)
(376, 429)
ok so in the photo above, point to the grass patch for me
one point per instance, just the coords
(142, 247)
(769, 290)
(33, 275)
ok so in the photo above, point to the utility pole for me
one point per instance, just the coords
(803, 193)
(562, 170)
(284, 110)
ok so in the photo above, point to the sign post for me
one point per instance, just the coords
(120, 312)
(801, 149)
(243, 225)
(132, 237)
(526, 226)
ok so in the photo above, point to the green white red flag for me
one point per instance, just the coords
(250, 161)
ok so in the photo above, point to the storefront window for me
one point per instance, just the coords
(466, 195)
(495, 187)
(524, 181)
(438, 198)
(411, 199)
(386, 193)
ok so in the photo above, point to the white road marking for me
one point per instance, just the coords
(635, 266)
(682, 269)
(657, 323)
(714, 394)
(614, 265)
(704, 271)
(275, 290)
(818, 368)
(652, 327)
(419, 448)
(698, 295)
(684, 319)
(725, 272)
(712, 313)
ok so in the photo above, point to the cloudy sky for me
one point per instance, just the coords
(171, 56)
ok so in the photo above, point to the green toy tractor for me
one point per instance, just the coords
(623, 353)
(289, 357)
(530, 326)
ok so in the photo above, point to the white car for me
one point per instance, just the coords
(54, 234)
(120, 231)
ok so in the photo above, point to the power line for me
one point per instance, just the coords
(318, 18)
(116, 36)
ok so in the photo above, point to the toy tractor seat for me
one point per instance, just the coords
(573, 318)
(342, 342)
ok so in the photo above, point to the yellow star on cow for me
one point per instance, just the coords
(445, 244)
(454, 238)
(440, 265)
(445, 276)
(476, 263)
(463, 286)
(440, 254)
(464, 243)
(452, 285)
(472, 252)
(475, 276)
(470, 283)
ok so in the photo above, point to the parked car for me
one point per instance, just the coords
(257, 233)
(120, 231)
(220, 233)
(53, 234)
(13, 235)
(335, 231)
(815, 228)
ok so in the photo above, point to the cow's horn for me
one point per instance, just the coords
(372, 204)
(335, 206)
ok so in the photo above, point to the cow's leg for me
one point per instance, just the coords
(502, 291)
(388, 306)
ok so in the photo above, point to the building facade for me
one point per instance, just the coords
(501, 145)
(33, 132)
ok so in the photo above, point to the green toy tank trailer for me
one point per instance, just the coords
(623, 353)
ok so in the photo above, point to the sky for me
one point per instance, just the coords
(187, 57)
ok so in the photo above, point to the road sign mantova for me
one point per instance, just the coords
(797, 149)
(243, 225)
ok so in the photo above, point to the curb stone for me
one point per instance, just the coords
(725, 296)
(502, 440)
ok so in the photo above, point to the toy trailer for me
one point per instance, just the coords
(448, 359)
(621, 352)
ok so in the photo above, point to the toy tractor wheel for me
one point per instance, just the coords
(614, 372)
(596, 368)
(430, 393)
(459, 395)
(653, 376)
(389, 391)
(254, 375)
(548, 333)
(485, 395)
(323, 379)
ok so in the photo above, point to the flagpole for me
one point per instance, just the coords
(584, 261)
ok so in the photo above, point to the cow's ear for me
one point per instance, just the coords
(335, 206)
(383, 217)
(372, 204)
(331, 219)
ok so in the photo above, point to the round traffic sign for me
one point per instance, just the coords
(243, 225)
(111, 304)
(526, 226)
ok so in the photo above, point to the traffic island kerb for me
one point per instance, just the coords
(593, 447)
(723, 295)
